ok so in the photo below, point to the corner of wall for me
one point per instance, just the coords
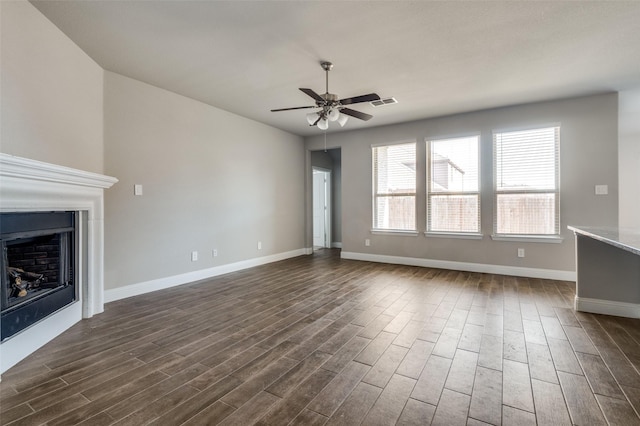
(629, 158)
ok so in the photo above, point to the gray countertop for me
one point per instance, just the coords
(625, 239)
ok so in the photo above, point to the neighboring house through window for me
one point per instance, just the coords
(394, 187)
(453, 197)
(527, 182)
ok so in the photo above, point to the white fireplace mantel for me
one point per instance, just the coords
(30, 185)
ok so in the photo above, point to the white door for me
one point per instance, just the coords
(321, 209)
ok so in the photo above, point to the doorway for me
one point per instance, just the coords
(321, 208)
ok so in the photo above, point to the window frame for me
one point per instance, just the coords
(478, 192)
(519, 237)
(375, 194)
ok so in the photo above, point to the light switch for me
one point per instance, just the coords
(602, 189)
(137, 189)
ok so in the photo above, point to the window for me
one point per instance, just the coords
(394, 187)
(453, 197)
(527, 182)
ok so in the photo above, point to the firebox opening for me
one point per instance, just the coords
(37, 268)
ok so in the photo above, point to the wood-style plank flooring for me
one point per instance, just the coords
(319, 340)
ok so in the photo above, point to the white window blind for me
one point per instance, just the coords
(394, 187)
(453, 197)
(527, 182)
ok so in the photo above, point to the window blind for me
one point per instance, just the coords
(527, 182)
(394, 187)
(453, 198)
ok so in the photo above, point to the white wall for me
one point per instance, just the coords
(629, 158)
(211, 179)
(51, 93)
(588, 157)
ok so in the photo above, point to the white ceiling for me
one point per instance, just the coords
(435, 58)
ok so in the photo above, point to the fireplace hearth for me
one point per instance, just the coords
(37, 267)
(31, 186)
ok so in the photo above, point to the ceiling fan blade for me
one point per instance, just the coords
(358, 99)
(313, 94)
(289, 109)
(356, 114)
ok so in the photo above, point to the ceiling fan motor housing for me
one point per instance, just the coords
(329, 97)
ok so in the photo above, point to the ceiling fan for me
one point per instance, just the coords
(332, 108)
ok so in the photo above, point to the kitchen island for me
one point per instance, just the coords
(608, 270)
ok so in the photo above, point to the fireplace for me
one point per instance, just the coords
(73, 201)
(37, 268)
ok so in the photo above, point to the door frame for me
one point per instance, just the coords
(327, 204)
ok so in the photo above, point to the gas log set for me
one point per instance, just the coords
(21, 281)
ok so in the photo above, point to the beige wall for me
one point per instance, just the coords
(51, 93)
(211, 179)
(215, 180)
(588, 157)
(629, 158)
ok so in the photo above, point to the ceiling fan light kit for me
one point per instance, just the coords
(332, 108)
(323, 124)
(312, 117)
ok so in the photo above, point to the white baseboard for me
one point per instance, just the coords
(607, 307)
(114, 294)
(517, 271)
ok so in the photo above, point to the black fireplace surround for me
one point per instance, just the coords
(37, 267)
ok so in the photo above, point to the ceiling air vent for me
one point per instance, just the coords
(387, 101)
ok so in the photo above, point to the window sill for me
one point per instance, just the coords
(459, 235)
(394, 232)
(553, 239)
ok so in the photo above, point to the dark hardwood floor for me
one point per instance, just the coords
(319, 340)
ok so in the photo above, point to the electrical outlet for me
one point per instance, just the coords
(215, 252)
(194, 256)
(137, 189)
(259, 245)
(520, 252)
(367, 242)
(602, 189)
